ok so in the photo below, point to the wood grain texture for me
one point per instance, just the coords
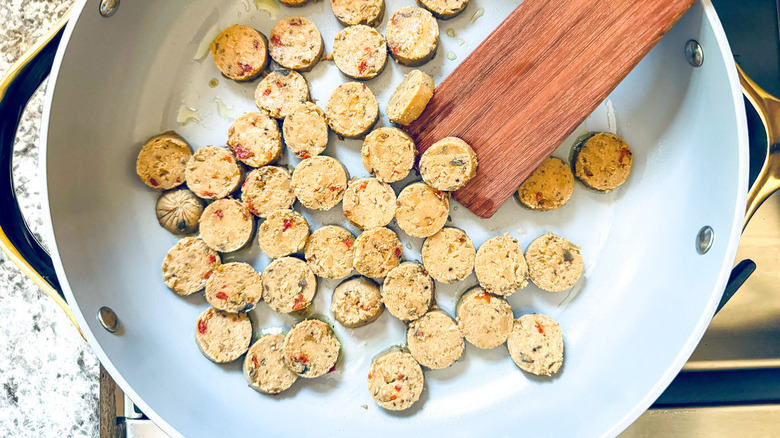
(521, 92)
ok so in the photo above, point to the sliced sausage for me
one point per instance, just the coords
(602, 162)
(288, 285)
(360, 52)
(330, 252)
(500, 266)
(407, 291)
(266, 190)
(395, 381)
(444, 9)
(212, 173)
(549, 187)
(306, 130)
(356, 302)
(388, 154)
(240, 52)
(234, 287)
(226, 225)
(296, 43)
(369, 203)
(377, 251)
(319, 182)
(352, 110)
(536, 344)
(449, 255)
(434, 340)
(264, 367)
(412, 36)
(484, 319)
(554, 263)
(311, 349)
(284, 232)
(280, 92)
(221, 336)
(255, 139)
(410, 98)
(353, 12)
(188, 265)
(162, 161)
(448, 164)
(422, 211)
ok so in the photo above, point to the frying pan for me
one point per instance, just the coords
(658, 251)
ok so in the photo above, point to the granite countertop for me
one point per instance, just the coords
(48, 374)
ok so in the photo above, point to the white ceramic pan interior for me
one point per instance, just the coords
(629, 325)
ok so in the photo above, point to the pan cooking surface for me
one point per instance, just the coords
(628, 325)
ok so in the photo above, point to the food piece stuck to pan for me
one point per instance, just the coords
(305, 130)
(353, 12)
(295, 43)
(319, 182)
(395, 381)
(226, 225)
(240, 52)
(352, 110)
(602, 161)
(162, 161)
(360, 52)
(407, 291)
(234, 287)
(266, 190)
(448, 164)
(412, 36)
(222, 336)
(500, 266)
(280, 92)
(435, 340)
(264, 367)
(255, 139)
(422, 211)
(188, 265)
(289, 285)
(536, 344)
(178, 211)
(212, 173)
(369, 203)
(330, 252)
(388, 154)
(484, 319)
(444, 9)
(377, 251)
(410, 98)
(549, 187)
(356, 302)
(311, 349)
(284, 232)
(449, 255)
(554, 263)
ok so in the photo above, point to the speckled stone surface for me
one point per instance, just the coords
(48, 374)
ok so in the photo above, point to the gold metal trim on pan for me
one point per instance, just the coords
(5, 244)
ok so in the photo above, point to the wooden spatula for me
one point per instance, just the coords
(534, 80)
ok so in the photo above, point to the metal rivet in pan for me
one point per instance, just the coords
(694, 53)
(704, 239)
(108, 8)
(108, 319)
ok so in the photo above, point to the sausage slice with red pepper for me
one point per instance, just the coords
(234, 287)
(422, 210)
(484, 319)
(356, 302)
(435, 340)
(221, 336)
(188, 265)
(212, 173)
(284, 232)
(407, 291)
(360, 52)
(377, 252)
(162, 160)
(226, 225)
(311, 349)
(536, 344)
(266, 190)
(240, 52)
(296, 43)
(369, 203)
(264, 367)
(602, 161)
(289, 285)
(554, 263)
(330, 251)
(395, 381)
(255, 139)
(319, 182)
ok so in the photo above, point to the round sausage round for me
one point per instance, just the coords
(536, 344)
(388, 154)
(234, 287)
(410, 98)
(319, 182)
(554, 263)
(500, 266)
(360, 52)
(407, 291)
(284, 232)
(602, 162)
(240, 52)
(162, 161)
(369, 203)
(221, 336)
(212, 173)
(412, 36)
(226, 225)
(422, 211)
(434, 340)
(280, 92)
(352, 110)
(255, 139)
(448, 164)
(311, 349)
(296, 43)
(377, 251)
(354, 12)
(444, 9)
(306, 130)
(449, 255)
(266, 190)
(356, 302)
(288, 285)
(395, 381)
(549, 187)
(484, 319)
(264, 367)
(330, 252)
(188, 265)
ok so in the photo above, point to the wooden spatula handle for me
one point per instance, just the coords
(534, 80)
